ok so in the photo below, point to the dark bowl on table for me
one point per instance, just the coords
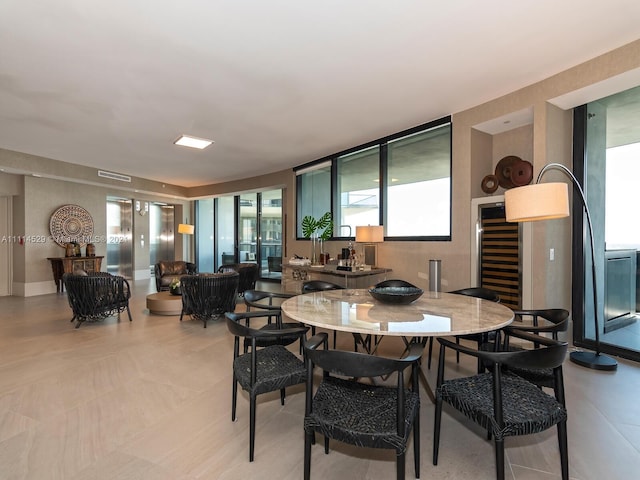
(394, 283)
(397, 295)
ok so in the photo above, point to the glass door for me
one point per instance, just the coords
(205, 248)
(225, 245)
(248, 228)
(241, 229)
(270, 238)
(611, 129)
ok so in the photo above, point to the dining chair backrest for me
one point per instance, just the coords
(556, 320)
(478, 292)
(265, 300)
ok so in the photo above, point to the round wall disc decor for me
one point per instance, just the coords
(71, 223)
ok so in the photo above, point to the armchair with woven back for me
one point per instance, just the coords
(96, 295)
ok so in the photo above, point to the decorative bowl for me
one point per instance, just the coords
(398, 295)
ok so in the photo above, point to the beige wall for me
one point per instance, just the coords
(35, 198)
(547, 138)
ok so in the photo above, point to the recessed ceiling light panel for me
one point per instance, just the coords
(193, 142)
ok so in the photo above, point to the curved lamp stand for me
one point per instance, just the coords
(544, 201)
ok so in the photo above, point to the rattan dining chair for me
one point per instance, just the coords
(262, 369)
(359, 413)
(504, 404)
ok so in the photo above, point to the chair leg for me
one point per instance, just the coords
(429, 354)
(282, 395)
(326, 445)
(234, 398)
(564, 451)
(252, 426)
(499, 445)
(457, 352)
(416, 445)
(436, 430)
(400, 466)
(308, 440)
(129, 313)
(334, 339)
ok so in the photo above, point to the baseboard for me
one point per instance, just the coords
(19, 289)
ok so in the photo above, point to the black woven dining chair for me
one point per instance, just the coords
(358, 413)
(263, 300)
(479, 338)
(269, 304)
(262, 370)
(504, 404)
(551, 321)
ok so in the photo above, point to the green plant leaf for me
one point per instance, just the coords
(325, 222)
(309, 226)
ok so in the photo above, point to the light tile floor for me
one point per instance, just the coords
(151, 399)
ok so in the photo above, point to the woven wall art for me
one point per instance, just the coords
(71, 223)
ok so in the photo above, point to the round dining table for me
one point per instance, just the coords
(434, 314)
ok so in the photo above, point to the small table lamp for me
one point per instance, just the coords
(370, 235)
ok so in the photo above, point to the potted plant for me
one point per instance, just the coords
(320, 229)
(174, 287)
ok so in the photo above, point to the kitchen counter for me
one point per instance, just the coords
(293, 276)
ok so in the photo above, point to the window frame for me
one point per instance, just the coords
(382, 144)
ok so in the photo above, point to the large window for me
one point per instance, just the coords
(419, 184)
(358, 177)
(313, 186)
(402, 182)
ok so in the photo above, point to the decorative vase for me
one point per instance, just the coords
(175, 290)
(314, 249)
(321, 257)
(91, 250)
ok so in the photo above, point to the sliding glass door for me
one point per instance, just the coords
(270, 238)
(245, 228)
(248, 228)
(608, 163)
(224, 239)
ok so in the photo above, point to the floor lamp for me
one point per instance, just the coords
(186, 229)
(545, 201)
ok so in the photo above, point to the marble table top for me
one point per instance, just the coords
(433, 314)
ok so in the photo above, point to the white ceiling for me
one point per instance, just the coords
(275, 84)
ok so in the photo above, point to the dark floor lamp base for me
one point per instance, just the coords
(593, 360)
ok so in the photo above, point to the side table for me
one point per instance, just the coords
(164, 303)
